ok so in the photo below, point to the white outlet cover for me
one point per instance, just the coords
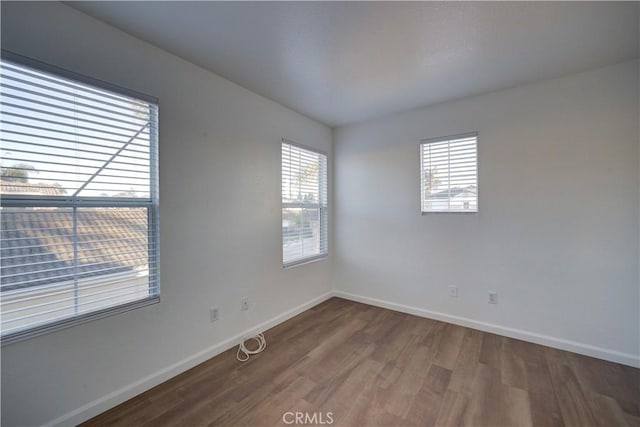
(493, 297)
(453, 291)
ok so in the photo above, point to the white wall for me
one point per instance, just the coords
(220, 221)
(556, 236)
(557, 231)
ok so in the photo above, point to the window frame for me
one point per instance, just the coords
(426, 141)
(324, 210)
(78, 202)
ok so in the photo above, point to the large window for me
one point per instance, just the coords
(304, 204)
(78, 197)
(449, 174)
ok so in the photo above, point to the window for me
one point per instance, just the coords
(304, 204)
(449, 173)
(78, 197)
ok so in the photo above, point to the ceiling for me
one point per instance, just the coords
(343, 62)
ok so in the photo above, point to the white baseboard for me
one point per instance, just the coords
(549, 341)
(125, 393)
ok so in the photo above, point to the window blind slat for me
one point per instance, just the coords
(121, 256)
(53, 292)
(58, 81)
(36, 97)
(105, 123)
(90, 267)
(73, 108)
(48, 246)
(67, 132)
(79, 305)
(37, 162)
(67, 253)
(82, 278)
(65, 300)
(35, 84)
(103, 143)
(144, 175)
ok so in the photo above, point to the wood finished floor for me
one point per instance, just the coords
(375, 367)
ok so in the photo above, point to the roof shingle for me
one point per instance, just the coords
(37, 244)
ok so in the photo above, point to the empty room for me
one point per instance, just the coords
(320, 213)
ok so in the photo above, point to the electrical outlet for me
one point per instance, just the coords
(244, 304)
(453, 291)
(493, 297)
(213, 314)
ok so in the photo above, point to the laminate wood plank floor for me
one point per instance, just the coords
(368, 366)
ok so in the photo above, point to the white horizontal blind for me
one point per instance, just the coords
(79, 197)
(449, 174)
(304, 204)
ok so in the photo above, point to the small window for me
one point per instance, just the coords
(449, 174)
(304, 204)
(79, 199)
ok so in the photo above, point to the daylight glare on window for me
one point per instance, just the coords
(449, 174)
(79, 198)
(304, 204)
